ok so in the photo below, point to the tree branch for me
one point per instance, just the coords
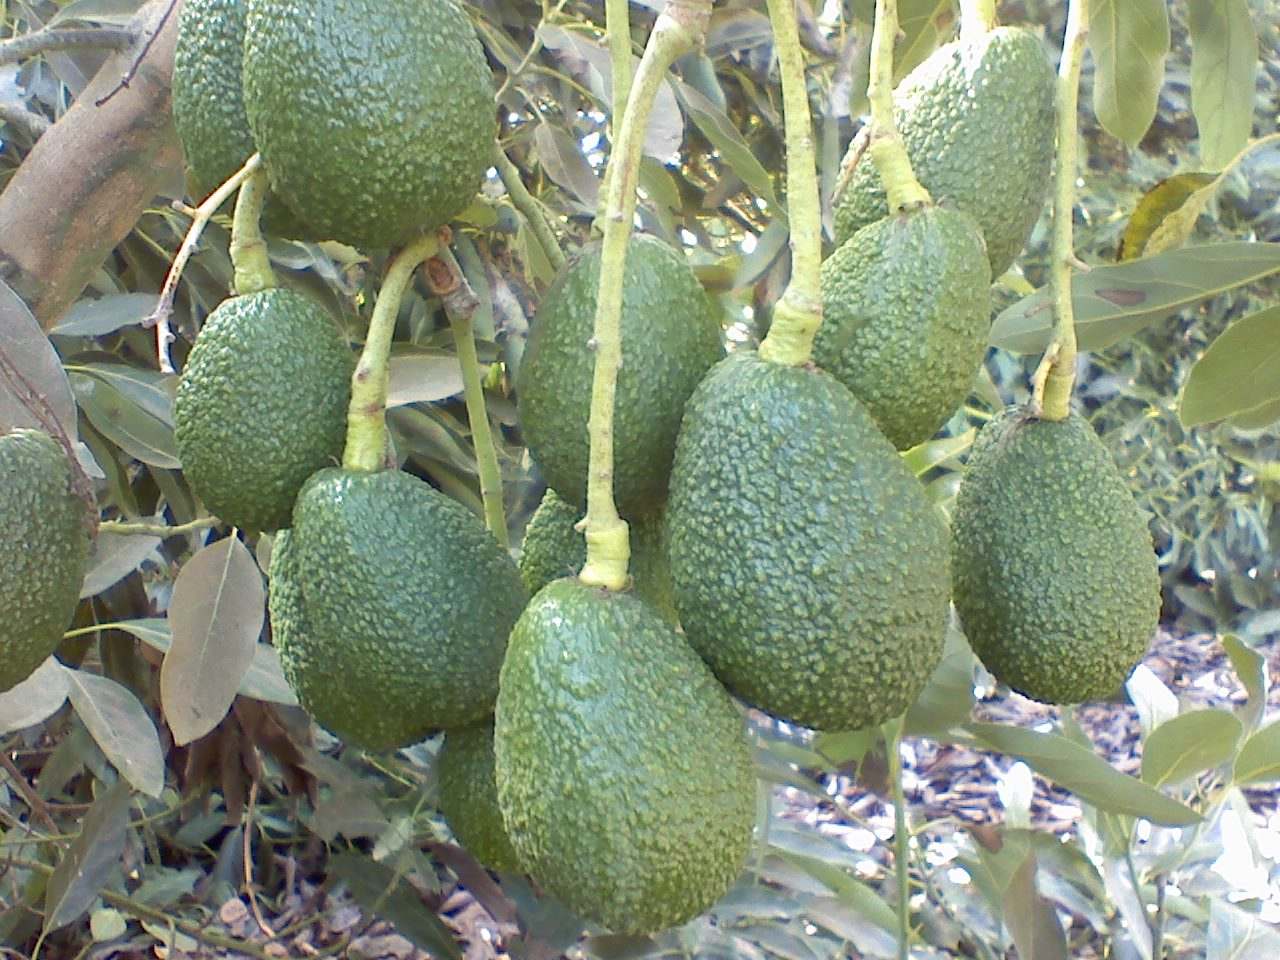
(45, 40)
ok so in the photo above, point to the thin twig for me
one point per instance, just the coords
(47, 40)
(38, 809)
(124, 528)
(250, 888)
(17, 115)
(142, 55)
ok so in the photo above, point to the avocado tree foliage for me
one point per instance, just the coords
(159, 766)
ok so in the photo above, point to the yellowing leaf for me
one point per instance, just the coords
(1167, 214)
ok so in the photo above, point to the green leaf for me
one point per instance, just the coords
(1236, 935)
(1224, 64)
(562, 159)
(1084, 773)
(1251, 668)
(113, 557)
(1259, 758)
(423, 376)
(923, 457)
(724, 136)
(92, 857)
(1129, 40)
(380, 891)
(841, 747)
(107, 924)
(215, 617)
(97, 318)
(1239, 372)
(35, 366)
(1258, 418)
(121, 420)
(1166, 215)
(119, 724)
(922, 26)
(947, 699)
(36, 698)
(1031, 919)
(1113, 302)
(849, 890)
(1189, 744)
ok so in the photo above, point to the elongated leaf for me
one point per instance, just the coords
(1189, 744)
(1236, 935)
(97, 318)
(151, 390)
(1166, 215)
(854, 893)
(1084, 773)
(97, 11)
(114, 557)
(126, 424)
(724, 136)
(1224, 65)
(1115, 301)
(922, 26)
(947, 699)
(1239, 372)
(377, 889)
(562, 159)
(32, 367)
(1259, 758)
(1129, 40)
(1258, 417)
(423, 378)
(1032, 921)
(90, 860)
(923, 457)
(35, 699)
(215, 616)
(1251, 668)
(119, 724)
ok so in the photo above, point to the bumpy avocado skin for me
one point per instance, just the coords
(262, 405)
(810, 569)
(407, 602)
(906, 309)
(469, 796)
(1056, 579)
(373, 134)
(670, 338)
(44, 550)
(978, 122)
(554, 549)
(624, 778)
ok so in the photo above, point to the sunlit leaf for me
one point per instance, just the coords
(423, 378)
(1189, 744)
(1239, 372)
(1155, 702)
(923, 457)
(562, 159)
(1129, 40)
(31, 374)
(1166, 215)
(36, 698)
(1259, 757)
(1224, 65)
(92, 857)
(1257, 418)
(724, 136)
(1031, 919)
(1251, 668)
(1236, 935)
(119, 724)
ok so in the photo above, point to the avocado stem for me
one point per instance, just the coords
(618, 27)
(798, 313)
(367, 415)
(252, 266)
(679, 28)
(888, 152)
(977, 17)
(1060, 360)
(901, 838)
(524, 202)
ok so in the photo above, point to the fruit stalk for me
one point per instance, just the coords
(249, 258)
(679, 28)
(901, 839)
(976, 18)
(367, 416)
(618, 27)
(798, 313)
(887, 150)
(1056, 375)
(526, 204)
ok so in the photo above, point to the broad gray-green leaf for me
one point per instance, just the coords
(1258, 417)
(215, 617)
(151, 390)
(92, 857)
(97, 318)
(423, 378)
(1239, 372)
(1115, 301)
(377, 888)
(562, 159)
(31, 374)
(1259, 758)
(947, 699)
(119, 724)
(1224, 65)
(35, 699)
(126, 424)
(1084, 773)
(1129, 40)
(1189, 744)
(113, 557)
(1031, 919)
(724, 136)
(1251, 668)
(1236, 935)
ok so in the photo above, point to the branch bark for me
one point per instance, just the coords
(89, 178)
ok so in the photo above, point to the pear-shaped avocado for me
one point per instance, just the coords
(977, 118)
(262, 405)
(469, 796)
(670, 338)
(45, 544)
(391, 605)
(810, 568)
(1056, 580)
(625, 781)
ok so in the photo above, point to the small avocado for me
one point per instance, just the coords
(46, 544)
(624, 776)
(469, 796)
(262, 405)
(1056, 579)
(670, 338)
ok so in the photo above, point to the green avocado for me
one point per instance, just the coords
(624, 776)
(1056, 579)
(262, 405)
(978, 122)
(906, 309)
(670, 338)
(375, 118)
(469, 796)
(391, 606)
(208, 104)
(46, 544)
(553, 548)
(810, 568)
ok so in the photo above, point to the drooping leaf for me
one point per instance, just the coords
(377, 888)
(215, 616)
(1120, 890)
(35, 699)
(868, 938)
(1084, 773)
(126, 424)
(1239, 372)
(1189, 744)
(1155, 702)
(30, 371)
(849, 890)
(1236, 935)
(97, 318)
(93, 855)
(119, 724)
(1115, 301)
(947, 699)
(1259, 757)
(1129, 40)
(724, 136)
(1251, 668)
(562, 159)
(1224, 65)
(1166, 215)
(113, 557)
(1031, 919)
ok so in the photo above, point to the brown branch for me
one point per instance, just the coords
(19, 116)
(46, 40)
(84, 184)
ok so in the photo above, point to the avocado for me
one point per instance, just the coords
(978, 122)
(1056, 579)
(46, 544)
(469, 796)
(262, 405)
(553, 548)
(208, 105)
(391, 605)
(810, 568)
(375, 118)
(670, 338)
(906, 309)
(624, 777)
